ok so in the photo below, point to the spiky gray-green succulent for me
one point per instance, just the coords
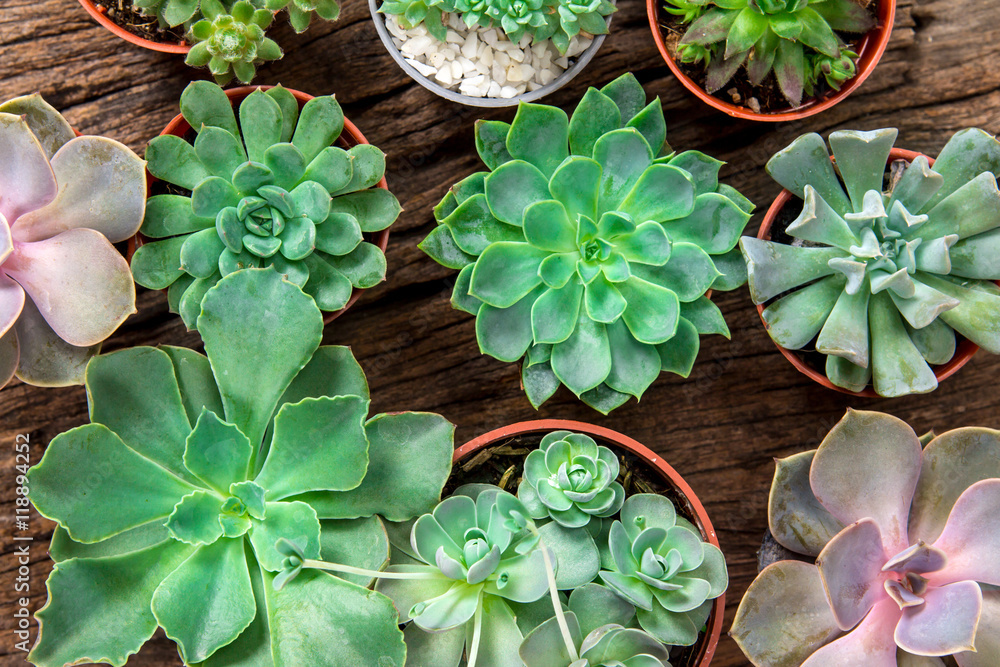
(798, 40)
(587, 248)
(270, 191)
(885, 271)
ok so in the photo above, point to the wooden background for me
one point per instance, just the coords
(743, 404)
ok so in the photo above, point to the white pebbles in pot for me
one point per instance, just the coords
(483, 62)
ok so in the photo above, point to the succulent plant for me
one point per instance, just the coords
(659, 563)
(596, 620)
(170, 13)
(271, 191)
(63, 201)
(908, 547)
(882, 277)
(835, 71)
(571, 479)
(171, 501)
(581, 15)
(300, 12)
(231, 42)
(769, 35)
(588, 246)
(411, 13)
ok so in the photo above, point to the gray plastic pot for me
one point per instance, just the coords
(581, 62)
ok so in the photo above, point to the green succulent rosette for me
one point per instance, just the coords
(587, 248)
(232, 42)
(658, 562)
(884, 273)
(783, 37)
(271, 190)
(170, 502)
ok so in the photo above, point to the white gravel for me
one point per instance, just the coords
(483, 62)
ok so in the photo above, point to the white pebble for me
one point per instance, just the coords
(493, 90)
(454, 38)
(502, 58)
(508, 92)
(444, 76)
(490, 37)
(456, 70)
(546, 76)
(562, 62)
(471, 46)
(514, 74)
(425, 70)
(435, 60)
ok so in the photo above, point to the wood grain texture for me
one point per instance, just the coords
(743, 404)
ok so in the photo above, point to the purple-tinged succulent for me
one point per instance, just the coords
(63, 201)
(907, 546)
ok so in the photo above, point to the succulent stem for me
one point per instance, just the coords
(556, 602)
(477, 631)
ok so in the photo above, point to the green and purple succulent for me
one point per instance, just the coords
(272, 190)
(906, 538)
(800, 41)
(587, 248)
(891, 260)
(170, 503)
(64, 200)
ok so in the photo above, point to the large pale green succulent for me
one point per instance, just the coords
(659, 563)
(781, 36)
(587, 248)
(884, 271)
(170, 502)
(272, 190)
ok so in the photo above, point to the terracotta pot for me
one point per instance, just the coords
(963, 352)
(870, 50)
(691, 505)
(351, 136)
(99, 15)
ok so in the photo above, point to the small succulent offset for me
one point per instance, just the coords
(907, 547)
(588, 246)
(272, 190)
(232, 42)
(659, 563)
(63, 201)
(170, 503)
(882, 277)
(796, 39)
(558, 20)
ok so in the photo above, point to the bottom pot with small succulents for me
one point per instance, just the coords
(891, 552)
(558, 544)
(882, 282)
(492, 52)
(771, 59)
(291, 184)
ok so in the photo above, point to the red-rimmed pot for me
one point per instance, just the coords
(869, 49)
(350, 136)
(100, 15)
(690, 506)
(963, 352)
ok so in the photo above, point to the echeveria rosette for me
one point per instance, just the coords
(907, 545)
(63, 201)
(597, 620)
(571, 479)
(588, 247)
(764, 36)
(272, 190)
(576, 16)
(411, 13)
(232, 42)
(476, 564)
(881, 281)
(170, 503)
(659, 563)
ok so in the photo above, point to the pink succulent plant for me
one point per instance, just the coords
(63, 201)
(907, 547)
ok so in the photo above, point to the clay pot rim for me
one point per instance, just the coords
(178, 126)
(101, 17)
(871, 48)
(710, 640)
(963, 353)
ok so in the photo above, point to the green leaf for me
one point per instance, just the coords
(898, 368)
(806, 162)
(491, 142)
(287, 164)
(967, 154)
(665, 193)
(189, 306)
(678, 354)
(295, 521)
(773, 268)
(301, 617)
(627, 93)
(219, 151)
(357, 542)
(261, 121)
(200, 253)
(157, 265)
(715, 224)
(603, 301)
(505, 333)
(319, 444)
(239, 314)
(704, 170)
(583, 360)
(634, 365)
(733, 268)
(604, 399)
(364, 266)
(576, 183)
(217, 452)
(473, 184)
(748, 27)
(790, 70)
(474, 228)
(134, 393)
(794, 320)
(652, 310)
(505, 273)
(320, 123)
(972, 209)
(539, 135)
(339, 234)
(167, 215)
(861, 159)
(596, 115)
(87, 596)
(250, 176)
(539, 383)
(460, 297)
(434, 649)
(513, 187)
(332, 371)
(817, 33)
(330, 288)
(705, 316)
(652, 125)
(409, 460)
(623, 155)
(845, 16)
(367, 169)
(440, 246)
(195, 519)
(976, 256)
(936, 341)
(207, 601)
(332, 169)
(375, 209)
(289, 108)
(174, 160)
(204, 103)
(975, 317)
(547, 226)
(555, 313)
